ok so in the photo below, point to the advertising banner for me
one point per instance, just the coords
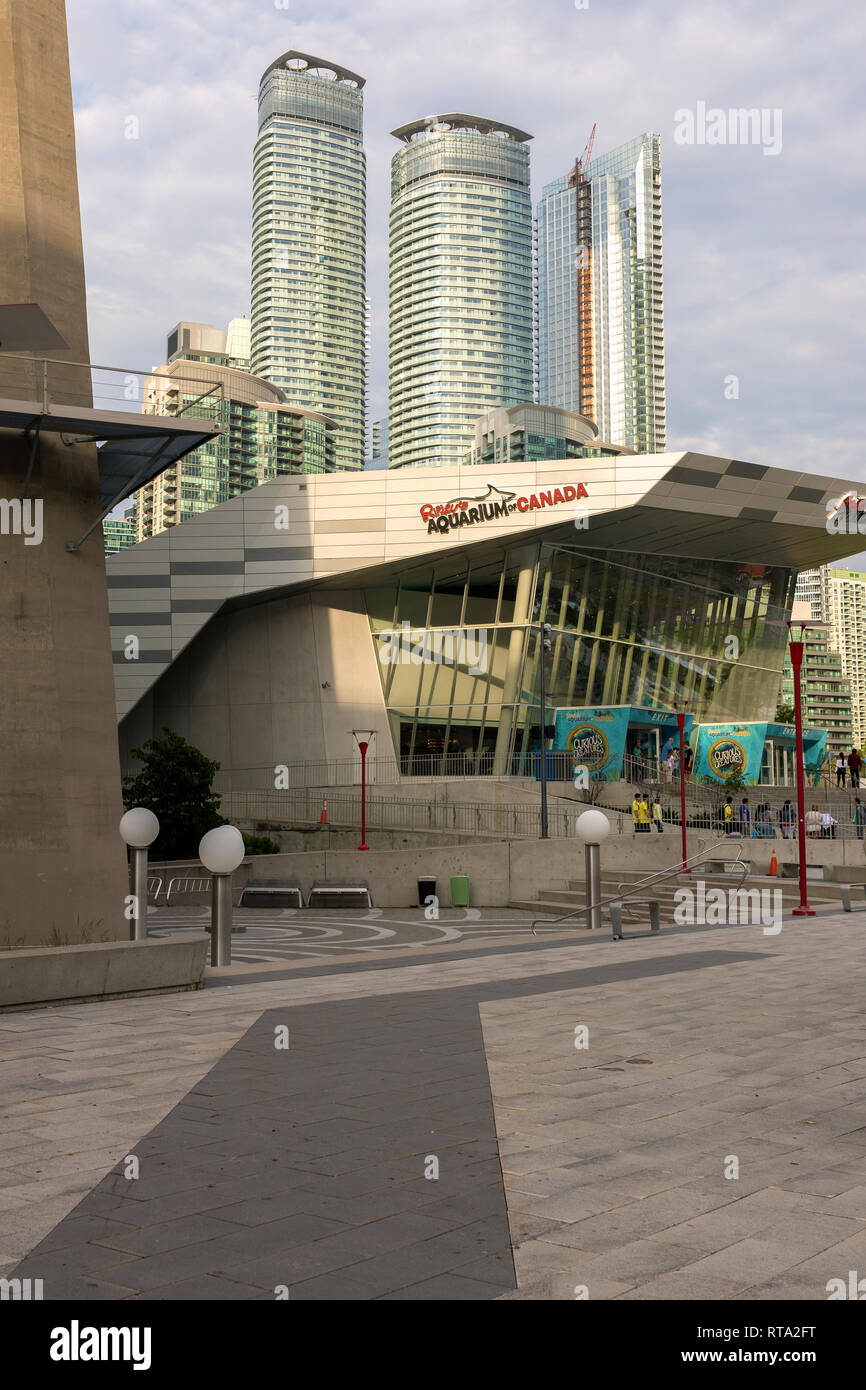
(595, 738)
(730, 752)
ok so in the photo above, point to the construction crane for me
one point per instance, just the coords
(585, 157)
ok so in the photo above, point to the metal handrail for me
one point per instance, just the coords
(679, 868)
(636, 887)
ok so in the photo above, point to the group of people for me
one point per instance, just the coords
(646, 813)
(848, 766)
(819, 824)
(670, 761)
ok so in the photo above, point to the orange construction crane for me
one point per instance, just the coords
(585, 157)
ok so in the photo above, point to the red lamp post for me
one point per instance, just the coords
(681, 724)
(796, 650)
(363, 738)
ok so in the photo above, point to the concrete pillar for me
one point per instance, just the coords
(62, 864)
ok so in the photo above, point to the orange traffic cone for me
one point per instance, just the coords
(323, 818)
(774, 865)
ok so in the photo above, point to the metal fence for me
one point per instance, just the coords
(341, 810)
(55, 383)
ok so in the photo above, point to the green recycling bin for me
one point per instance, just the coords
(460, 891)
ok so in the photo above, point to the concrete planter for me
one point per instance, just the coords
(102, 970)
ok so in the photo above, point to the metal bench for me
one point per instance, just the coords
(845, 894)
(325, 894)
(273, 895)
(617, 932)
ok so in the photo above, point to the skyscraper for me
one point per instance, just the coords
(837, 597)
(460, 312)
(261, 438)
(600, 295)
(308, 280)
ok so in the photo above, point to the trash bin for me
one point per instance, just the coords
(460, 891)
(426, 889)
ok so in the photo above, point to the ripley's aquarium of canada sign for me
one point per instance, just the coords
(492, 505)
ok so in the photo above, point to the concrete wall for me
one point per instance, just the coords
(502, 871)
(62, 864)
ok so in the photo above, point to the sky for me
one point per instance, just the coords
(763, 251)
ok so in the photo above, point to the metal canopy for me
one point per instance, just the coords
(134, 449)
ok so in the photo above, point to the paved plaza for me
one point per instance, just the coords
(469, 1113)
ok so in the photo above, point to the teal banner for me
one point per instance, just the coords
(730, 752)
(595, 738)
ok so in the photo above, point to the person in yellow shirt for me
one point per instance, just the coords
(635, 812)
(658, 815)
(728, 814)
(645, 817)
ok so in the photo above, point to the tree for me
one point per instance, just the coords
(785, 714)
(175, 782)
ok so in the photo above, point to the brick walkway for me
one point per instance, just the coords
(710, 1053)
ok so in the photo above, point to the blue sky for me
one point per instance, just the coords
(764, 273)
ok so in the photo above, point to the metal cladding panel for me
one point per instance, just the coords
(292, 531)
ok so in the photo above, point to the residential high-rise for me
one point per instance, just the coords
(262, 436)
(119, 531)
(600, 303)
(826, 692)
(308, 261)
(378, 444)
(460, 312)
(837, 597)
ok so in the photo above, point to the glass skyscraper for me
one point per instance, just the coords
(600, 294)
(308, 276)
(460, 312)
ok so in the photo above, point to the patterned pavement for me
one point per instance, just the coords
(682, 1117)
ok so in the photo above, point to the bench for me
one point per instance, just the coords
(845, 894)
(616, 919)
(273, 895)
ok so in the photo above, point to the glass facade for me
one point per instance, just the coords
(600, 295)
(460, 312)
(308, 262)
(458, 644)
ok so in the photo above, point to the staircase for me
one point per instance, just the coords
(556, 902)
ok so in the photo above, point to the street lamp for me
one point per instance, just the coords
(363, 738)
(544, 647)
(593, 827)
(221, 851)
(139, 828)
(796, 646)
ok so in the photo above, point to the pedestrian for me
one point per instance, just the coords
(667, 748)
(764, 825)
(788, 818)
(728, 814)
(859, 817)
(745, 817)
(635, 812)
(855, 762)
(674, 764)
(841, 769)
(658, 815)
(688, 757)
(813, 822)
(828, 826)
(645, 816)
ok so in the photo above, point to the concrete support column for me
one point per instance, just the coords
(62, 863)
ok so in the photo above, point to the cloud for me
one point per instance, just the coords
(763, 255)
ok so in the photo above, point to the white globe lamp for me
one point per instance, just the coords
(221, 851)
(138, 828)
(593, 827)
